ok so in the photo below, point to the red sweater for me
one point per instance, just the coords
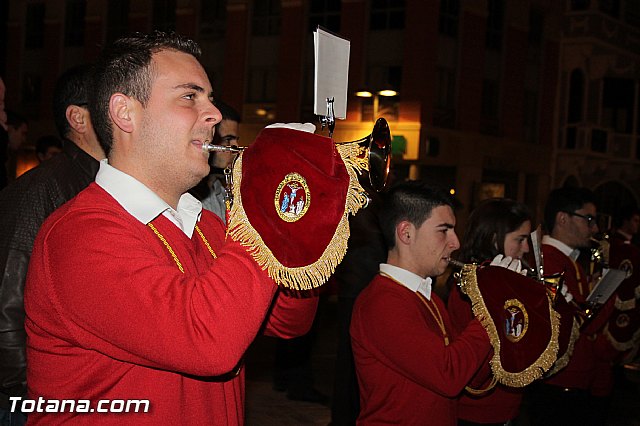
(580, 370)
(500, 404)
(110, 316)
(406, 373)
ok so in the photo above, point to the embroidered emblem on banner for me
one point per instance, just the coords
(516, 320)
(292, 198)
(626, 266)
(623, 320)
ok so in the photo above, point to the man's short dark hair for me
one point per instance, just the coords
(624, 213)
(412, 201)
(124, 67)
(566, 199)
(71, 88)
(228, 112)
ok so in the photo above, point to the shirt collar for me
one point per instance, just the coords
(144, 204)
(565, 249)
(627, 237)
(408, 279)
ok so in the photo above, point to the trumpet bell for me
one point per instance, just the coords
(371, 153)
(379, 154)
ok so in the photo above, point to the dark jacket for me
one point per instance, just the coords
(24, 205)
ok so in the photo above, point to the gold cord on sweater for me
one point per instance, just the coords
(173, 254)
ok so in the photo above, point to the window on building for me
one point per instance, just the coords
(495, 24)
(35, 26)
(325, 13)
(610, 7)
(577, 5)
(617, 104)
(74, 22)
(576, 97)
(490, 98)
(381, 77)
(164, 15)
(536, 27)
(632, 13)
(387, 14)
(117, 19)
(531, 116)
(446, 90)
(266, 18)
(213, 18)
(262, 85)
(449, 16)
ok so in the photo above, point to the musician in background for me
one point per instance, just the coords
(565, 397)
(497, 229)
(619, 337)
(626, 223)
(410, 361)
(211, 190)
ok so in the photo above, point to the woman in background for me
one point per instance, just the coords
(497, 229)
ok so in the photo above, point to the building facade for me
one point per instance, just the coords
(496, 97)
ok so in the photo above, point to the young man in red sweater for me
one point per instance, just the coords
(410, 364)
(135, 301)
(565, 397)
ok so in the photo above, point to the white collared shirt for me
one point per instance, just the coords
(144, 204)
(627, 237)
(565, 249)
(408, 279)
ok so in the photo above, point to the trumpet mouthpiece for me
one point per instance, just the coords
(456, 263)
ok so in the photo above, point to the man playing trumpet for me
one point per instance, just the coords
(566, 397)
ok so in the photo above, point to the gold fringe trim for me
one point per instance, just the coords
(301, 278)
(355, 165)
(563, 361)
(469, 285)
(622, 346)
(626, 305)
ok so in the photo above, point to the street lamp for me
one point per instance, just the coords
(376, 98)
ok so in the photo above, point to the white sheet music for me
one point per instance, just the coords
(331, 73)
(611, 279)
(536, 241)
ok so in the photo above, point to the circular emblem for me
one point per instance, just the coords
(292, 197)
(622, 320)
(626, 266)
(516, 320)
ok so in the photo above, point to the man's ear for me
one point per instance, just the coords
(77, 117)
(561, 218)
(121, 111)
(405, 232)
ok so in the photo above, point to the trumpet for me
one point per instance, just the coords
(371, 153)
(209, 147)
(599, 253)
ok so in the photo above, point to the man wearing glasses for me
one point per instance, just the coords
(565, 397)
(211, 191)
